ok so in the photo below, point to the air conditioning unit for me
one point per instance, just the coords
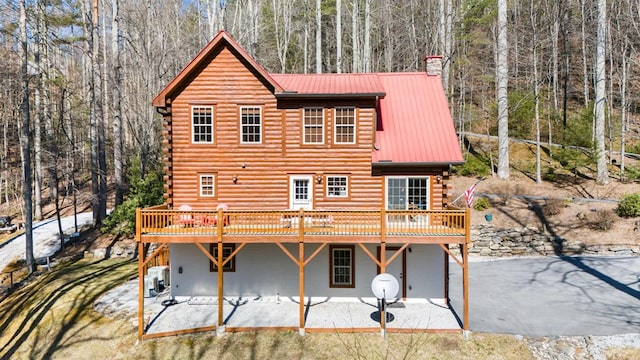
(162, 273)
(151, 286)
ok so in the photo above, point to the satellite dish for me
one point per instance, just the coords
(385, 286)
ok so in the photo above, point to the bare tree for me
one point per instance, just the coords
(536, 86)
(318, 36)
(338, 36)
(366, 51)
(116, 89)
(25, 142)
(502, 82)
(282, 29)
(601, 160)
(355, 37)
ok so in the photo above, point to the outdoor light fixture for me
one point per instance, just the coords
(438, 179)
(234, 179)
(319, 179)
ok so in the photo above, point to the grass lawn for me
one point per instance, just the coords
(53, 317)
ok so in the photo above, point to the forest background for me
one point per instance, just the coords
(77, 77)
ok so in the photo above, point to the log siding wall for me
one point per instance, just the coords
(263, 170)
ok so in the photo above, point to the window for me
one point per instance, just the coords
(408, 193)
(336, 186)
(207, 185)
(227, 250)
(250, 125)
(342, 266)
(313, 126)
(202, 124)
(345, 126)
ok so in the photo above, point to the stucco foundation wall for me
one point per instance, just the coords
(265, 270)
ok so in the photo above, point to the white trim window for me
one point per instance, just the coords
(207, 185)
(407, 193)
(250, 125)
(345, 125)
(313, 126)
(202, 124)
(342, 271)
(337, 186)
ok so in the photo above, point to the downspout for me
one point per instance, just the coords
(375, 124)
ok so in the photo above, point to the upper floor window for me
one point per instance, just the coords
(345, 125)
(313, 126)
(207, 185)
(202, 124)
(337, 186)
(250, 125)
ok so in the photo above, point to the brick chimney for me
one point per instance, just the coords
(433, 65)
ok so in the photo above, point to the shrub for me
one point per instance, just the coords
(632, 173)
(473, 166)
(143, 193)
(506, 191)
(603, 220)
(553, 207)
(481, 204)
(630, 206)
(550, 175)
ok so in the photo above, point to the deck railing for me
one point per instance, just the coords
(307, 222)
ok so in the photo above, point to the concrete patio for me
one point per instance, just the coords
(321, 314)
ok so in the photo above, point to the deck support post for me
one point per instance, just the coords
(301, 266)
(446, 275)
(383, 269)
(140, 286)
(465, 269)
(220, 264)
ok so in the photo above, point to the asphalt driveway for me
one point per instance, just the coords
(549, 296)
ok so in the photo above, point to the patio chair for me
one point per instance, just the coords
(225, 220)
(185, 219)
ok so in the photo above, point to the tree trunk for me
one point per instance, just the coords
(318, 36)
(367, 34)
(585, 71)
(118, 144)
(536, 87)
(25, 142)
(37, 118)
(93, 115)
(338, 36)
(623, 108)
(601, 156)
(502, 81)
(356, 63)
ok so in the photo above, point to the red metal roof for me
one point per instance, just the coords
(416, 125)
(414, 122)
(330, 84)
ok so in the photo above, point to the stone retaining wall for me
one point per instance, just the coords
(486, 241)
(490, 241)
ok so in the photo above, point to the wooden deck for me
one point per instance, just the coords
(385, 227)
(422, 226)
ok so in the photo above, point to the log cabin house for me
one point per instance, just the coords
(308, 184)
